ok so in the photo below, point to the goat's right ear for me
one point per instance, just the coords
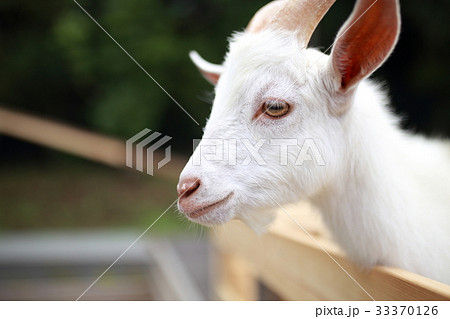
(365, 41)
(210, 71)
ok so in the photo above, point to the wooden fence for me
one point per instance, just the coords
(294, 267)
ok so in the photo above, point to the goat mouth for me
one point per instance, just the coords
(206, 209)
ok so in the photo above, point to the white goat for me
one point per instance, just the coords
(384, 193)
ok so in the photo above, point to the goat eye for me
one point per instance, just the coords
(275, 108)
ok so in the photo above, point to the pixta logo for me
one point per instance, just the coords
(150, 144)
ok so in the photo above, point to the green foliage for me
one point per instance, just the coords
(123, 98)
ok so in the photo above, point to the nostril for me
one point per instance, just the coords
(188, 187)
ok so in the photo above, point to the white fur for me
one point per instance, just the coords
(384, 193)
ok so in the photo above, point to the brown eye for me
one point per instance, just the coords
(275, 108)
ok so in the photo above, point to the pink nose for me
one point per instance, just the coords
(188, 186)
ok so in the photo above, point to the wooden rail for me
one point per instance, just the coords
(62, 137)
(294, 267)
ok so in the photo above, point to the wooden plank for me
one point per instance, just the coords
(233, 278)
(89, 145)
(291, 264)
(62, 137)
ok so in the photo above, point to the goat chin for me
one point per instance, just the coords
(260, 221)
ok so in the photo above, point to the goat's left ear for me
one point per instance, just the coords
(365, 41)
(210, 72)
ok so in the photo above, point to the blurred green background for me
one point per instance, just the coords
(55, 62)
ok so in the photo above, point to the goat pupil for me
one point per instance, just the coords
(276, 107)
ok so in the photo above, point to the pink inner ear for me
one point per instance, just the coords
(366, 40)
(211, 77)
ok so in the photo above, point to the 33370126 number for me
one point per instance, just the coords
(406, 310)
